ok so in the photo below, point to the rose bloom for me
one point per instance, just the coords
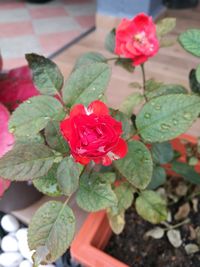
(136, 39)
(93, 134)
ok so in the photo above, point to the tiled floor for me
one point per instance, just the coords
(41, 28)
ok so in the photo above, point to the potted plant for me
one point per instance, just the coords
(16, 86)
(109, 159)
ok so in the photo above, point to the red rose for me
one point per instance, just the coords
(136, 39)
(93, 134)
(17, 86)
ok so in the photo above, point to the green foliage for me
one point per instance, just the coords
(162, 152)
(89, 58)
(38, 138)
(137, 166)
(125, 63)
(48, 184)
(151, 207)
(127, 126)
(130, 103)
(187, 172)
(190, 41)
(110, 41)
(33, 115)
(166, 90)
(94, 194)
(26, 161)
(124, 193)
(165, 26)
(158, 177)
(86, 84)
(166, 117)
(46, 75)
(51, 229)
(68, 175)
(54, 138)
(198, 73)
(194, 84)
(117, 222)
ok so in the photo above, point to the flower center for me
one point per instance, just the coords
(90, 135)
(140, 37)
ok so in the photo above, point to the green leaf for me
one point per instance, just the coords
(52, 228)
(162, 152)
(26, 161)
(68, 175)
(127, 126)
(110, 41)
(166, 90)
(93, 194)
(198, 73)
(194, 84)
(151, 207)
(124, 193)
(137, 166)
(186, 171)
(125, 63)
(33, 115)
(38, 138)
(89, 58)
(46, 74)
(130, 103)
(165, 26)
(48, 184)
(107, 177)
(117, 222)
(152, 85)
(86, 84)
(190, 40)
(54, 138)
(166, 117)
(158, 178)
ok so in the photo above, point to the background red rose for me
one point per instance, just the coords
(136, 39)
(6, 142)
(93, 134)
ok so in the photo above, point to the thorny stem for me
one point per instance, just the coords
(144, 81)
(170, 227)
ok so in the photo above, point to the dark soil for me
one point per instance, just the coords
(131, 248)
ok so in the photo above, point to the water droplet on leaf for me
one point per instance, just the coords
(157, 107)
(187, 116)
(28, 101)
(175, 121)
(147, 115)
(165, 126)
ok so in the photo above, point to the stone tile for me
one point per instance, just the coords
(86, 21)
(47, 12)
(53, 25)
(15, 29)
(14, 63)
(20, 46)
(14, 15)
(84, 9)
(54, 41)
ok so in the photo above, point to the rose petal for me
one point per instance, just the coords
(98, 108)
(106, 160)
(121, 149)
(77, 110)
(6, 138)
(65, 127)
(82, 160)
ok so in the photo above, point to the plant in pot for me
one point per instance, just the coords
(108, 158)
(16, 86)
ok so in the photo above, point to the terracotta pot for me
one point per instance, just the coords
(19, 196)
(87, 247)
